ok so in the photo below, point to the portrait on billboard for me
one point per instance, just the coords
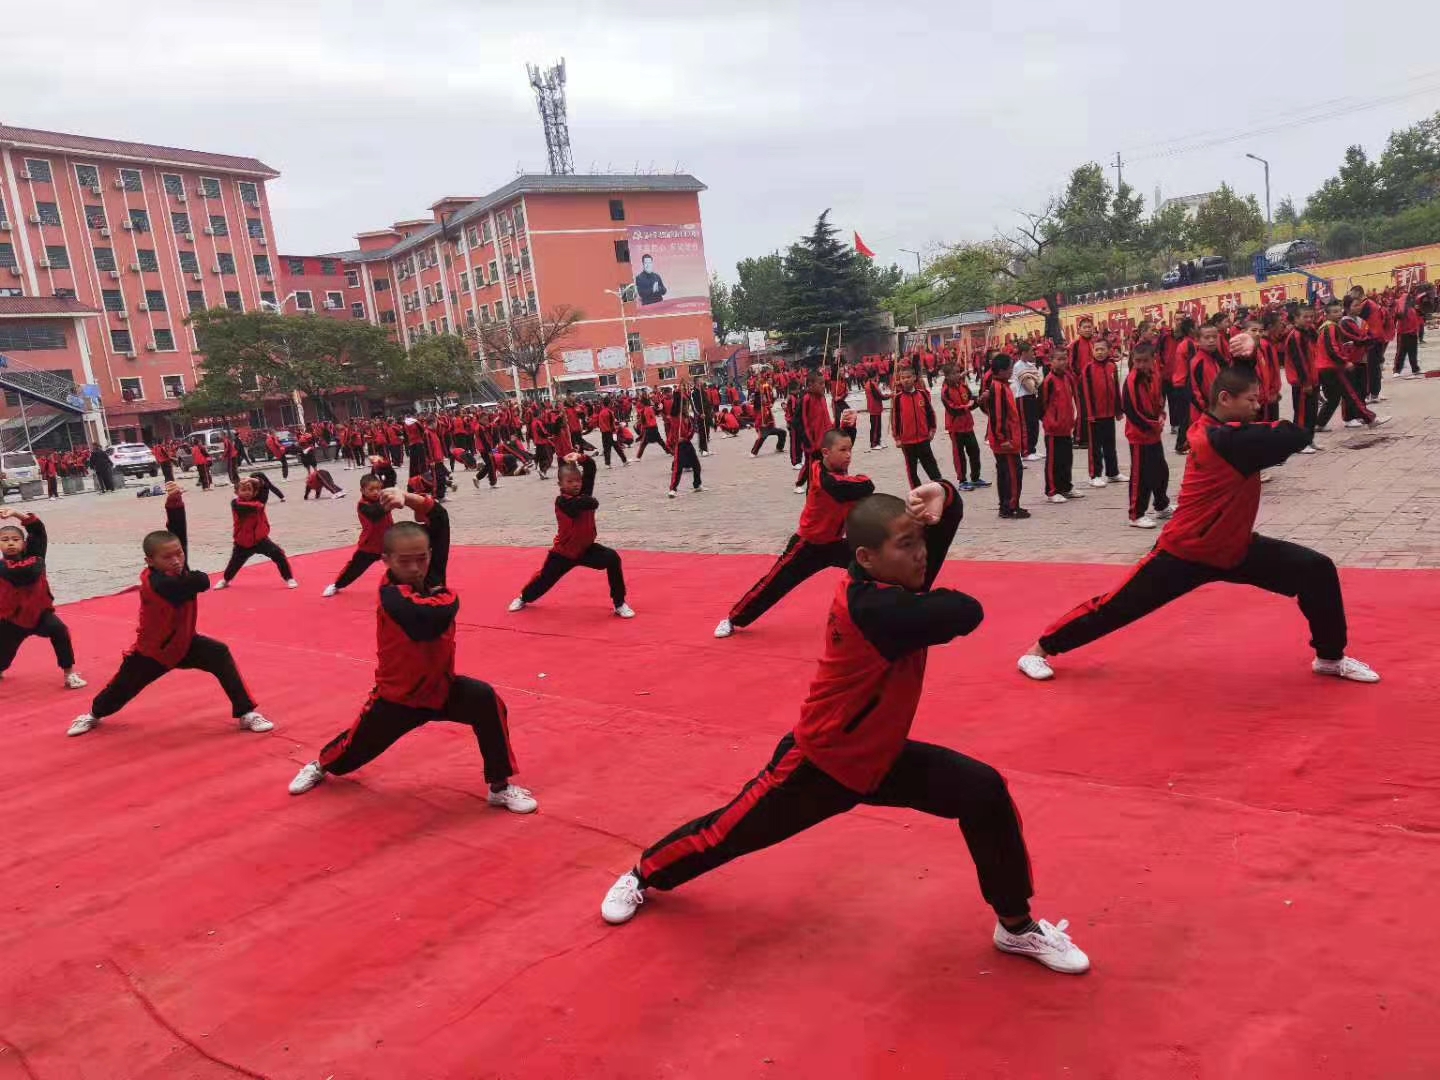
(670, 278)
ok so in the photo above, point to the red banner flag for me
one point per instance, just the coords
(861, 248)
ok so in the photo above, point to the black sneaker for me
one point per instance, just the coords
(1018, 513)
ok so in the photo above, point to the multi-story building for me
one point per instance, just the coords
(131, 238)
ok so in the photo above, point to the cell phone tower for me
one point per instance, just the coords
(549, 87)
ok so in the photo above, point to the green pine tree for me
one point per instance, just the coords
(825, 290)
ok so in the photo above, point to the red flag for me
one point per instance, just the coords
(861, 248)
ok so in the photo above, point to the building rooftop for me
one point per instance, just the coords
(964, 318)
(32, 139)
(15, 307)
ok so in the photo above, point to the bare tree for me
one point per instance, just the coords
(528, 342)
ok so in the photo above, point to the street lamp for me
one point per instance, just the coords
(1269, 223)
(912, 251)
(295, 398)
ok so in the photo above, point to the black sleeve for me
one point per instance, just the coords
(437, 524)
(373, 511)
(930, 412)
(575, 505)
(37, 540)
(1299, 356)
(845, 488)
(1329, 341)
(941, 535)
(1248, 448)
(175, 523)
(182, 589)
(897, 621)
(265, 486)
(423, 618)
(22, 572)
(587, 477)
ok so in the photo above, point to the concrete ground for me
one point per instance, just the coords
(1371, 498)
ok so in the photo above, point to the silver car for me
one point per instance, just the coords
(133, 459)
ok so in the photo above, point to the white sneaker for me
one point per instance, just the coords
(1071, 496)
(515, 799)
(221, 584)
(516, 605)
(74, 682)
(800, 489)
(253, 721)
(1120, 479)
(1035, 667)
(1097, 481)
(725, 629)
(1309, 450)
(1058, 498)
(1163, 515)
(1031, 457)
(330, 590)
(1354, 423)
(1266, 477)
(1379, 421)
(625, 611)
(1143, 522)
(1048, 944)
(700, 488)
(1378, 397)
(1347, 667)
(81, 724)
(671, 493)
(623, 899)
(291, 583)
(307, 778)
(704, 453)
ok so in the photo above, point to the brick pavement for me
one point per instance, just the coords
(1370, 499)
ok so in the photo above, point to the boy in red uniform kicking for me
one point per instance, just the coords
(415, 680)
(1212, 538)
(852, 744)
(166, 638)
(374, 520)
(27, 608)
(575, 544)
(818, 541)
(252, 534)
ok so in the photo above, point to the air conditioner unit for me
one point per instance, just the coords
(130, 355)
(24, 174)
(15, 271)
(269, 279)
(122, 315)
(142, 307)
(44, 264)
(97, 190)
(198, 276)
(190, 237)
(5, 226)
(128, 226)
(34, 219)
(104, 231)
(215, 269)
(262, 241)
(209, 231)
(150, 346)
(134, 268)
(119, 185)
(181, 197)
(114, 273)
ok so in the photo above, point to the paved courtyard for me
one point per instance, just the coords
(1371, 498)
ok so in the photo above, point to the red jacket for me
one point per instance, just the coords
(251, 524)
(1203, 370)
(575, 515)
(374, 520)
(1004, 433)
(912, 417)
(958, 404)
(1100, 383)
(168, 609)
(1057, 405)
(874, 398)
(828, 502)
(1143, 400)
(815, 418)
(415, 644)
(24, 586)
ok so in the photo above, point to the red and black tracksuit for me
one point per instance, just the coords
(1005, 435)
(815, 422)
(874, 405)
(912, 426)
(166, 638)
(252, 537)
(959, 405)
(1408, 324)
(765, 424)
(649, 430)
(818, 541)
(1212, 538)
(852, 744)
(374, 521)
(1341, 379)
(1100, 389)
(682, 430)
(1300, 372)
(574, 543)
(608, 425)
(1057, 420)
(1178, 391)
(27, 608)
(1143, 402)
(1082, 354)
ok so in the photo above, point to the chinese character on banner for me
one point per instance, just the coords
(1321, 290)
(1407, 276)
(1119, 320)
(1275, 294)
(1193, 309)
(1154, 312)
(1228, 301)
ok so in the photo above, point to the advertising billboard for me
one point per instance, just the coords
(670, 275)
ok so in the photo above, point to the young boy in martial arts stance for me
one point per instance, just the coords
(252, 534)
(27, 608)
(166, 638)
(575, 544)
(818, 541)
(374, 520)
(415, 680)
(1212, 538)
(852, 743)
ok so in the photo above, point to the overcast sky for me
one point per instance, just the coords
(919, 123)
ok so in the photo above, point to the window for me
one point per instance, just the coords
(470, 317)
(357, 311)
(667, 374)
(327, 266)
(249, 194)
(519, 219)
(130, 180)
(225, 261)
(433, 330)
(29, 338)
(48, 212)
(473, 235)
(622, 251)
(139, 221)
(173, 184)
(232, 301)
(195, 300)
(444, 324)
(218, 225)
(464, 281)
(352, 279)
(57, 256)
(698, 369)
(210, 187)
(387, 316)
(382, 284)
(633, 343)
(257, 419)
(120, 340)
(3, 219)
(617, 209)
(295, 266)
(180, 223)
(104, 258)
(608, 380)
(524, 258)
(262, 265)
(189, 264)
(8, 291)
(255, 228)
(165, 342)
(494, 271)
(38, 169)
(155, 299)
(95, 217)
(87, 176)
(132, 389)
(267, 297)
(499, 310)
(174, 385)
(303, 301)
(484, 314)
(334, 300)
(7, 256)
(530, 301)
(502, 223)
(146, 258)
(112, 300)
(65, 294)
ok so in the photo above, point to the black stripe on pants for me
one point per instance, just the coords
(650, 436)
(556, 566)
(1305, 406)
(1276, 566)
(1149, 477)
(761, 434)
(1178, 400)
(1059, 463)
(47, 626)
(383, 723)
(1339, 389)
(797, 563)
(1375, 367)
(919, 456)
(1102, 449)
(137, 672)
(167, 470)
(359, 562)
(1407, 347)
(239, 556)
(965, 449)
(685, 458)
(1030, 415)
(791, 794)
(1009, 471)
(874, 430)
(797, 445)
(607, 444)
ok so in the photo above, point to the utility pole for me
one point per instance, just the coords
(1269, 223)
(1119, 167)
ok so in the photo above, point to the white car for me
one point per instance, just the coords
(17, 467)
(133, 459)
